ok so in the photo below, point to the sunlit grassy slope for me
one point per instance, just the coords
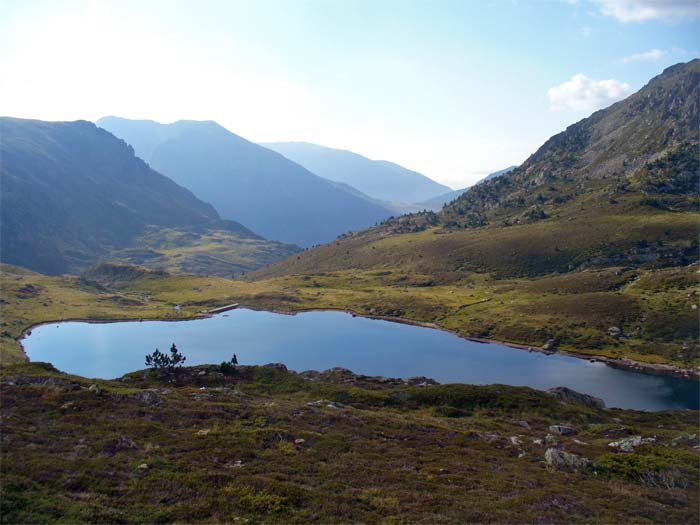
(652, 307)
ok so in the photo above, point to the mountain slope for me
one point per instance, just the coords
(72, 193)
(437, 203)
(619, 187)
(246, 182)
(379, 179)
(604, 161)
(596, 232)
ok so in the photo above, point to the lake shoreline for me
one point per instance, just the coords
(624, 364)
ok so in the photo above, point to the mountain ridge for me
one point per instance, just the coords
(246, 182)
(380, 179)
(72, 193)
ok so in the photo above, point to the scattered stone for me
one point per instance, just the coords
(556, 457)
(538, 441)
(550, 346)
(580, 442)
(147, 397)
(200, 396)
(692, 440)
(617, 431)
(325, 403)
(94, 388)
(515, 440)
(524, 424)
(630, 443)
(203, 432)
(522, 454)
(299, 441)
(568, 395)
(142, 466)
(202, 373)
(68, 405)
(551, 441)
(120, 443)
(562, 430)
(615, 331)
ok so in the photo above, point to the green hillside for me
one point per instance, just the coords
(613, 195)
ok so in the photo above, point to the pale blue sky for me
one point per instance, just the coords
(453, 89)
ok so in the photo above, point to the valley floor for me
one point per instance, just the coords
(624, 316)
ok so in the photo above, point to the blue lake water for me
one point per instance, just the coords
(322, 340)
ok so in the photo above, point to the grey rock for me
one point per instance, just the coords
(562, 430)
(550, 345)
(556, 457)
(94, 388)
(614, 331)
(325, 403)
(551, 440)
(568, 395)
(630, 443)
(120, 443)
(692, 440)
(148, 397)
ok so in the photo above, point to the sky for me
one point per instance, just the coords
(452, 89)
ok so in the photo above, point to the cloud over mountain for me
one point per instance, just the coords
(581, 93)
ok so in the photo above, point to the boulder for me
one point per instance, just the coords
(630, 443)
(562, 430)
(147, 397)
(614, 331)
(568, 395)
(551, 440)
(692, 440)
(550, 346)
(556, 457)
(94, 388)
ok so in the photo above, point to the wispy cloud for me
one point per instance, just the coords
(642, 10)
(652, 54)
(581, 93)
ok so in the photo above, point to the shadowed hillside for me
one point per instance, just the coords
(72, 193)
(246, 182)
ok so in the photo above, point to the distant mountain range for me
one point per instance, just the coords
(246, 182)
(378, 179)
(72, 193)
(436, 203)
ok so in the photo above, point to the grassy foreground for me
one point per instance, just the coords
(270, 446)
(653, 308)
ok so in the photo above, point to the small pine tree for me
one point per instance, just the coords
(160, 361)
(234, 360)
